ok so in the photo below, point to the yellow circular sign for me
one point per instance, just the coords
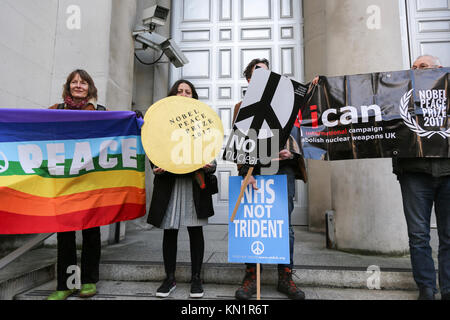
(181, 135)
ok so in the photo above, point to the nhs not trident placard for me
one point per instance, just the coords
(260, 231)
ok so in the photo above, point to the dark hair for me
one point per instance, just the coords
(92, 91)
(249, 70)
(174, 90)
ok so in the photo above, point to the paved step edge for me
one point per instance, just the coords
(339, 277)
(26, 281)
(113, 290)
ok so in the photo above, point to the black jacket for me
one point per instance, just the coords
(438, 167)
(162, 190)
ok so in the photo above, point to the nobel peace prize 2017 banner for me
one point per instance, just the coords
(378, 115)
(260, 231)
(64, 170)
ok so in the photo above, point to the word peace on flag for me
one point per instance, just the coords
(65, 170)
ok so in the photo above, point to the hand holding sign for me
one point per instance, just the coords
(264, 121)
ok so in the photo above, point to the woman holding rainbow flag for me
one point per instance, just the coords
(79, 93)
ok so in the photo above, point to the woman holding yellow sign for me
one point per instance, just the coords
(179, 198)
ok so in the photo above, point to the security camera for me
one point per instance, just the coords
(155, 15)
(151, 17)
(173, 52)
(168, 46)
(149, 39)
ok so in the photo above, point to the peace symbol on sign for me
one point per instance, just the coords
(257, 248)
(270, 104)
(4, 167)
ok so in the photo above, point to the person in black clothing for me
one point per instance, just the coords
(179, 200)
(424, 182)
(291, 164)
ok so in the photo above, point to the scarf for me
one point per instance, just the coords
(74, 105)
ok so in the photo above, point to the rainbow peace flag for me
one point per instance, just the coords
(66, 170)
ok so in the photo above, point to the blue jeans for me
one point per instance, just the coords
(420, 191)
(291, 193)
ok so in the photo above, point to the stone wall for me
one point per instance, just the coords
(340, 40)
(43, 41)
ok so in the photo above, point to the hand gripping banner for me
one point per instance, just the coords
(379, 115)
(64, 170)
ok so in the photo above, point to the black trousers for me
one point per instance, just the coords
(197, 246)
(67, 256)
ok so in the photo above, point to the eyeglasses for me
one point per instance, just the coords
(423, 67)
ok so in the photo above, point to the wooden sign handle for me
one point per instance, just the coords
(241, 194)
(238, 202)
(258, 281)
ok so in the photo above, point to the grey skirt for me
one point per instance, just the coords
(181, 208)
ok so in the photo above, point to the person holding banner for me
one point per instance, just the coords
(182, 200)
(79, 93)
(290, 163)
(424, 182)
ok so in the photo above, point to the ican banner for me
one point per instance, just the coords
(260, 231)
(378, 115)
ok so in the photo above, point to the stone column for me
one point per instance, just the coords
(364, 193)
(104, 47)
(43, 45)
(151, 83)
(161, 77)
(26, 54)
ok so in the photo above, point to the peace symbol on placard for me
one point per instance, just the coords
(4, 167)
(257, 247)
(273, 110)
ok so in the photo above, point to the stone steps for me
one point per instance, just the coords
(138, 259)
(216, 275)
(33, 269)
(134, 290)
(317, 276)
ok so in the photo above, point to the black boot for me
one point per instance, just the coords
(169, 284)
(248, 288)
(287, 286)
(426, 294)
(445, 296)
(196, 287)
